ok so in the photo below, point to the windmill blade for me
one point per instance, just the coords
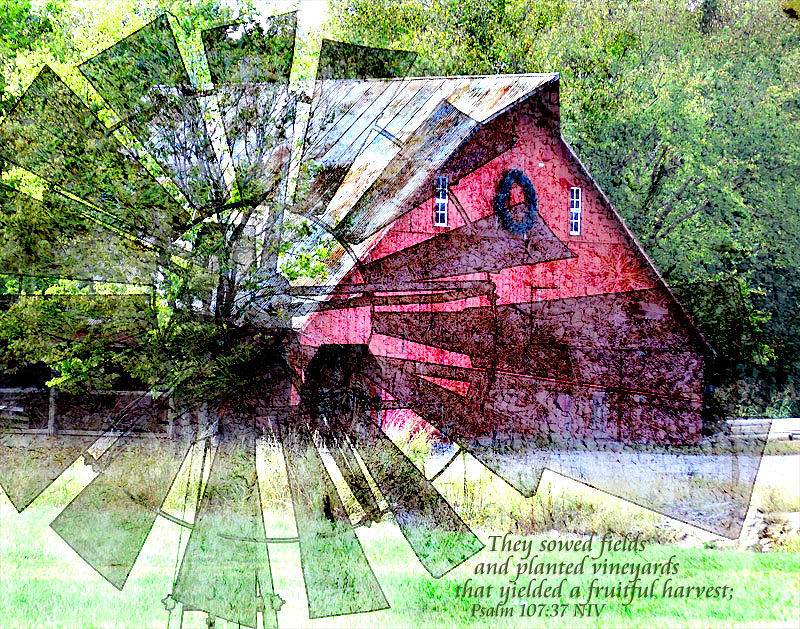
(476, 428)
(608, 340)
(225, 569)
(250, 65)
(44, 432)
(109, 521)
(473, 288)
(342, 60)
(30, 463)
(642, 447)
(335, 378)
(708, 487)
(483, 246)
(32, 456)
(51, 133)
(144, 79)
(345, 458)
(415, 160)
(252, 52)
(337, 575)
(344, 109)
(439, 537)
(341, 118)
(70, 243)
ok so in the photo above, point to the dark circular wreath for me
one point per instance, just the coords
(501, 202)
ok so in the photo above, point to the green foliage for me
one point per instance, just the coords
(299, 261)
(75, 205)
(415, 444)
(791, 8)
(777, 499)
(88, 339)
(688, 114)
(26, 25)
(24, 22)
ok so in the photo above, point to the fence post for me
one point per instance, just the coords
(51, 413)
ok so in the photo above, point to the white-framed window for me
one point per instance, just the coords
(575, 207)
(440, 203)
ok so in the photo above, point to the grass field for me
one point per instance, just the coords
(43, 584)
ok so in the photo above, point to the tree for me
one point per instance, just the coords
(117, 182)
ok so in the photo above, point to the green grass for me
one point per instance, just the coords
(776, 499)
(782, 447)
(43, 584)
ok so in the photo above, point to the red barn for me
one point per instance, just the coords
(494, 279)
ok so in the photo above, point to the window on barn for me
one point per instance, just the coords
(440, 203)
(575, 207)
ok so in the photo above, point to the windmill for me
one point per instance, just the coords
(221, 269)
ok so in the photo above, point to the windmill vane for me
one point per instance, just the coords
(439, 257)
